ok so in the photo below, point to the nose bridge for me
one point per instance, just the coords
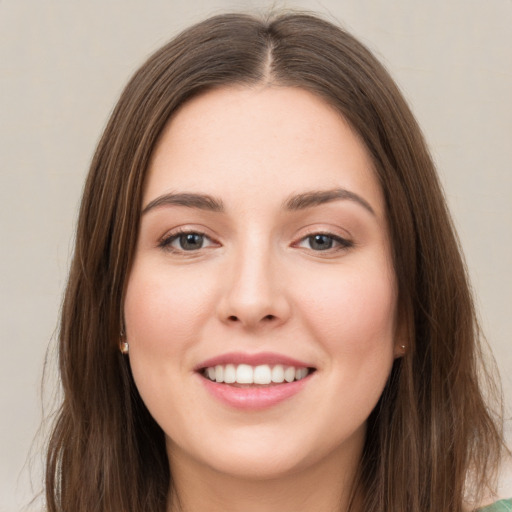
(253, 295)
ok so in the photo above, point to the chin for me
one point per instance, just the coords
(258, 466)
(264, 455)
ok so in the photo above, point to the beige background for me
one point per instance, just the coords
(63, 64)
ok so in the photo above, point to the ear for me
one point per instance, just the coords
(402, 337)
(400, 350)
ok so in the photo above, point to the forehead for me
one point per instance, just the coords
(260, 142)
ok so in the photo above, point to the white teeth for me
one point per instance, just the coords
(278, 374)
(244, 374)
(289, 374)
(300, 373)
(261, 374)
(229, 374)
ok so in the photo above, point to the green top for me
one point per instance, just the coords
(499, 506)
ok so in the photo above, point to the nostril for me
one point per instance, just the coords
(266, 318)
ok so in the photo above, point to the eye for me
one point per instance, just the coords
(324, 242)
(186, 241)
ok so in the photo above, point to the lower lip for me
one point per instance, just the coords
(254, 398)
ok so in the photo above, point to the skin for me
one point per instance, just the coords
(259, 284)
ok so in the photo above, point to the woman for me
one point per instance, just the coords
(267, 307)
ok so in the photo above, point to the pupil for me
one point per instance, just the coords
(321, 242)
(191, 241)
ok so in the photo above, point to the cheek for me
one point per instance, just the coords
(353, 312)
(163, 311)
(352, 316)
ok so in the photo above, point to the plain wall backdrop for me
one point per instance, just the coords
(62, 66)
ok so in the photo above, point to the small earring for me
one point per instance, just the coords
(124, 347)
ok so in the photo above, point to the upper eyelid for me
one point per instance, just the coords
(343, 241)
(171, 235)
(335, 232)
(180, 230)
(166, 240)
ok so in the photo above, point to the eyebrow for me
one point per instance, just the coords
(294, 203)
(190, 200)
(315, 198)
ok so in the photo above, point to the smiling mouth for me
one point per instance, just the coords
(264, 375)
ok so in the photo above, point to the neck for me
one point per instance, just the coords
(324, 487)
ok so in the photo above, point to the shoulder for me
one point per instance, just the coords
(499, 506)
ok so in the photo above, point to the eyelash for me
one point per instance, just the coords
(343, 244)
(166, 242)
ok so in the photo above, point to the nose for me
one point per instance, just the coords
(254, 296)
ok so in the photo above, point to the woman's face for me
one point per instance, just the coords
(263, 257)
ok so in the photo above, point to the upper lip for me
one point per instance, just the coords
(260, 358)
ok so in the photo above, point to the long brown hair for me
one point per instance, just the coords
(432, 427)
